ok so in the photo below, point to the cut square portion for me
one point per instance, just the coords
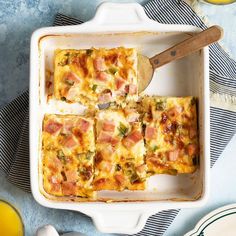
(68, 154)
(171, 134)
(96, 76)
(119, 161)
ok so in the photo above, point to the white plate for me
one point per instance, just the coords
(221, 221)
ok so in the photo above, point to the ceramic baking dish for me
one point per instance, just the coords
(124, 25)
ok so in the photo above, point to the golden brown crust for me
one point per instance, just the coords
(96, 76)
(171, 134)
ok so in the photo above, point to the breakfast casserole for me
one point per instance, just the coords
(68, 154)
(171, 134)
(96, 76)
(119, 160)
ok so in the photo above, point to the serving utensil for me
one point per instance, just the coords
(147, 66)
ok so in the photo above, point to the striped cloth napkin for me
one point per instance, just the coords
(14, 119)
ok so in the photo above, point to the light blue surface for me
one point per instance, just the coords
(18, 19)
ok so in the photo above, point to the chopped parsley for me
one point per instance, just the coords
(89, 155)
(94, 87)
(122, 129)
(160, 105)
(63, 98)
(61, 156)
(118, 167)
(64, 61)
(113, 70)
(154, 148)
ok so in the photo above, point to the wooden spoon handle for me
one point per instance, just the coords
(188, 46)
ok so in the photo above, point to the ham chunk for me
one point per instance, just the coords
(52, 127)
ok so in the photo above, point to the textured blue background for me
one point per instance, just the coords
(18, 19)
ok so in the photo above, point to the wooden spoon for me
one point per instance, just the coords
(146, 66)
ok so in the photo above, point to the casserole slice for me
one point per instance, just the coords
(171, 134)
(96, 76)
(68, 154)
(119, 161)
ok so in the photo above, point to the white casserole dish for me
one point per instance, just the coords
(125, 25)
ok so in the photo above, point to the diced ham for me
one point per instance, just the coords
(99, 64)
(52, 127)
(135, 136)
(141, 168)
(71, 175)
(68, 125)
(132, 89)
(105, 137)
(114, 141)
(192, 132)
(68, 188)
(71, 78)
(108, 126)
(55, 165)
(102, 76)
(119, 83)
(150, 132)
(105, 97)
(192, 149)
(173, 155)
(69, 142)
(120, 179)
(99, 184)
(132, 139)
(83, 125)
(55, 187)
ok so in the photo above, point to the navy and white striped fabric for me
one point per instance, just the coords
(14, 138)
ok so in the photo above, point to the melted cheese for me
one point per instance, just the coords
(96, 76)
(119, 161)
(68, 153)
(171, 134)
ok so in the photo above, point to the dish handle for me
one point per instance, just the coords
(120, 221)
(109, 13)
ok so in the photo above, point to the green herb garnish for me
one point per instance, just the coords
(61, 156)
(160, 105)
(89, 155)
(122, 129)
(118, 167)
(154, 148)
(63, 98)
(113, 70)
(94, 87)
(64, 61)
